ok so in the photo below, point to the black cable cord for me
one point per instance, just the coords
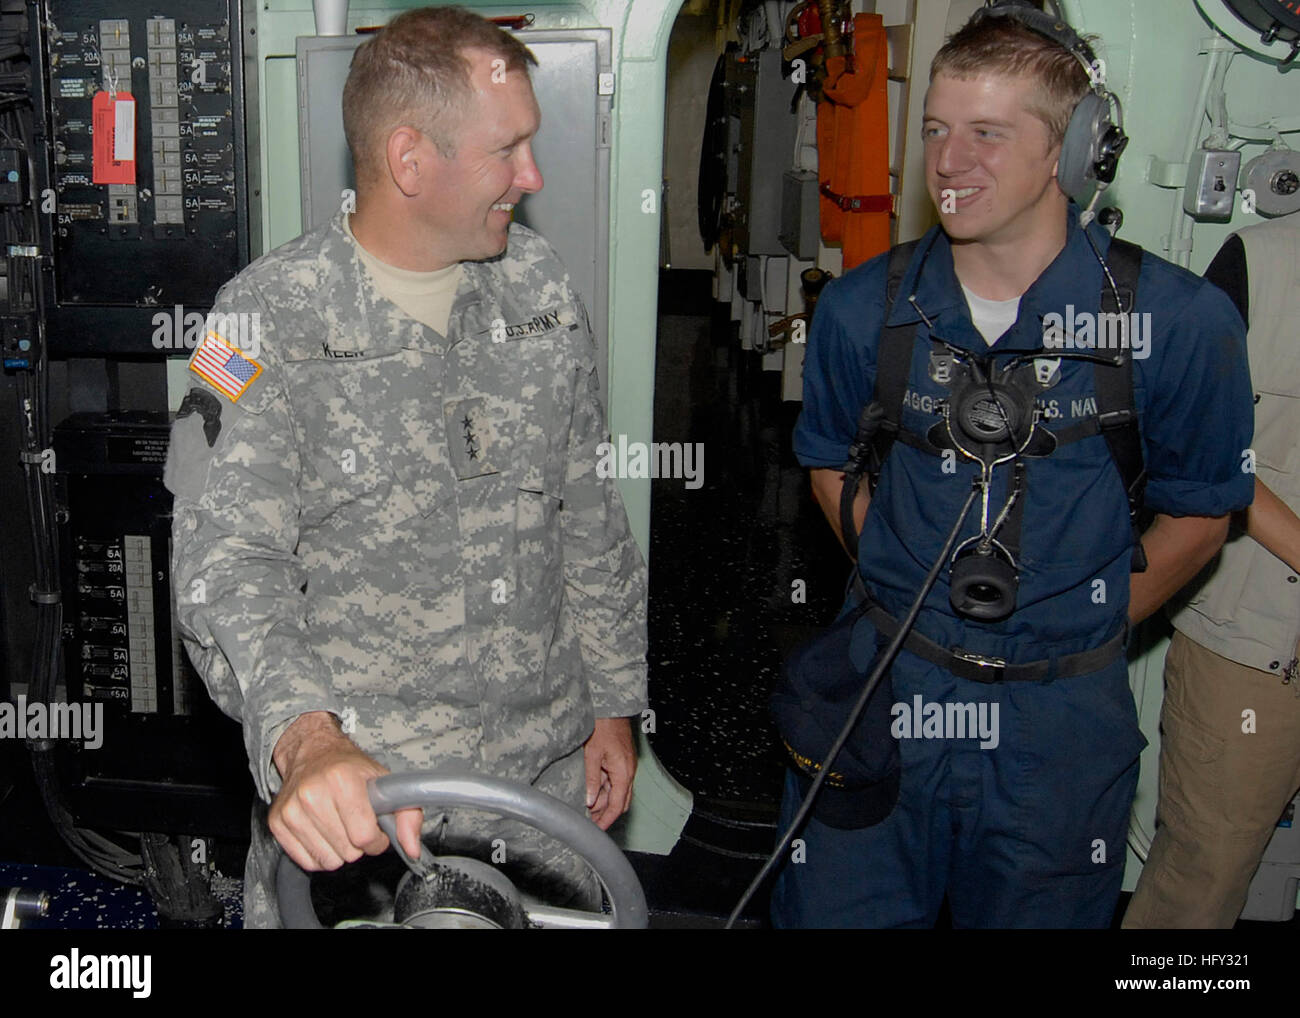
(25, 293)
(880, 670)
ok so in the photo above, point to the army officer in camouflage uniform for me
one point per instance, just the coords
(391, 548)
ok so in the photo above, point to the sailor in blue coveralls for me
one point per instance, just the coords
(1025, 827)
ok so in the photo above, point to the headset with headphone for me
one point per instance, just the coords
(1093, 140)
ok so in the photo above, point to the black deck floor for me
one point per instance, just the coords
(724, 558)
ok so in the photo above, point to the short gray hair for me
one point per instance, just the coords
(414, 72)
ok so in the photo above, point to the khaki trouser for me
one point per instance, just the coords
(1221, 789)
(534, 862)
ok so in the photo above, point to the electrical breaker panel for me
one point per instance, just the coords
(169, 759)
(144, 194)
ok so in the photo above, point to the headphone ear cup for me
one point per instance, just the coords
(1081, 142)
(1113, 143)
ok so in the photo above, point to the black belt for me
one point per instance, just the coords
(983, 667)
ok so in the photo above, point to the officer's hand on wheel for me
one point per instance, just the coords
(322, 815)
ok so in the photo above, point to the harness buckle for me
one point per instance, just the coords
(996, 665)
(1116, 418)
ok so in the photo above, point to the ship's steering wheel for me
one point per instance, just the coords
(442, 790)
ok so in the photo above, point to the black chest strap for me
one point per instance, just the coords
(881, 420)
(1117, 417)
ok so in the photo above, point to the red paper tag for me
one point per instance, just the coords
(114, 138)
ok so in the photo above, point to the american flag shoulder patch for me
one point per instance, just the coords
(224, 367)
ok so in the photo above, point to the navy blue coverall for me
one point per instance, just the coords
(1030, 832)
